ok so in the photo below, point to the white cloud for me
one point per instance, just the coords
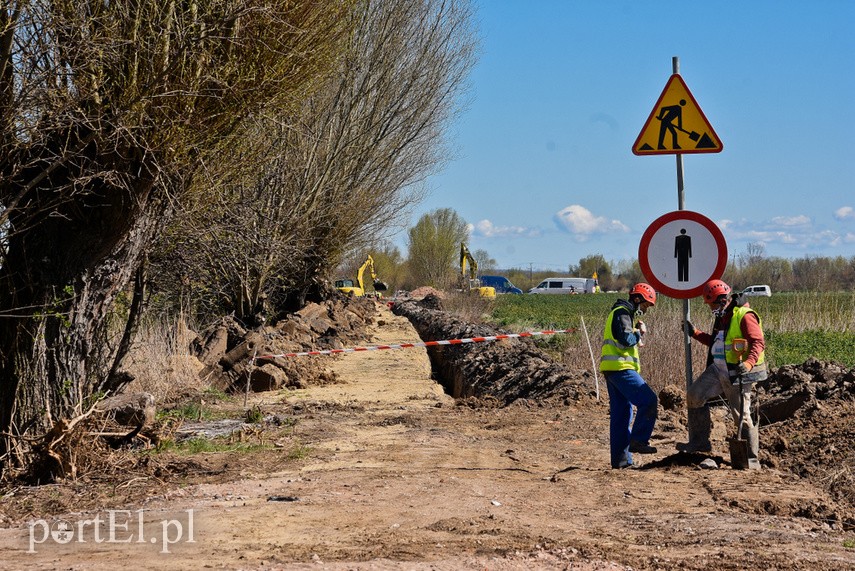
(581, 222)
(794, 232)
(487, 229)
(845, 213)
(790, 221)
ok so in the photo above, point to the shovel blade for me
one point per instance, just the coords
(380, 286)
(738, 453)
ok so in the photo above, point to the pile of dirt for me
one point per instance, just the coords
(421, 293)
(807, 411)
(504, 370)
(238, 359)
(807, 415)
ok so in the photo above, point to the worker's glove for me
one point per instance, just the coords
(689, 327)
(742, 368)
(642, 328)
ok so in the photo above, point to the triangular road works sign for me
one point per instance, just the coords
(676, 125)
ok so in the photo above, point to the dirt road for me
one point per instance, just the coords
(383, 471)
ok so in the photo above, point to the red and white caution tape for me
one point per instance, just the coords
(422, 344)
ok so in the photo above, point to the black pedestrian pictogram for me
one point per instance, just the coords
(683, 251)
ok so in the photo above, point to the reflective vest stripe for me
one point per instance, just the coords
(619, 358)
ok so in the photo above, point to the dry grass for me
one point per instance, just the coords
(468, 306)
(663, 356)
(162, 363)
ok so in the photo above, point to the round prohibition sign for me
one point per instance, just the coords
(680, 251)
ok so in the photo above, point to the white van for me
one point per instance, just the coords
(565, 285)
(763, 290)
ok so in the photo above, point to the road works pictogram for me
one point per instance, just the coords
(676, 125)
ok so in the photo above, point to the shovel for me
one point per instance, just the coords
(737, 444)
(692, 134)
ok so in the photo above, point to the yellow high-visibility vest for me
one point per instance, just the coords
(734, 331)
(615, 356)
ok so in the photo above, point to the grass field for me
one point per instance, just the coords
(797, 326)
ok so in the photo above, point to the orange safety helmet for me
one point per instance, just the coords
(714, 289)
(645, 291)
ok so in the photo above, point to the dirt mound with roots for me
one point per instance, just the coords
(239, 359)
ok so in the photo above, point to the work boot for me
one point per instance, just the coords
(641, 448)
(626, 466)
(700, 427)
(691, 448)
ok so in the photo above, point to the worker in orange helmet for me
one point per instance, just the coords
(729, 370)
(621, 366)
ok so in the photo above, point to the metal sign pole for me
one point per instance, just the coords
(681, 205)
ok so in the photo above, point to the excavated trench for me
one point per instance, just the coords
(504, 370)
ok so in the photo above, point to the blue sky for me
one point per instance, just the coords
(542, 163)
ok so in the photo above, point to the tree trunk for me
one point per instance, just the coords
(64, 268)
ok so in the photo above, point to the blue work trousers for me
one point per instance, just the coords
(627, 388)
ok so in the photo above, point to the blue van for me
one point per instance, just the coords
(500, 283)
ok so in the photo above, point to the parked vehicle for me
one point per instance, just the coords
(762, 290)
(500, 283)
(563, 285)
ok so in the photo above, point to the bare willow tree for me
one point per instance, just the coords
(340, 174)
(107, 112)
(434, 248)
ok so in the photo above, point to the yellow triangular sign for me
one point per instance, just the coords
(676, 125)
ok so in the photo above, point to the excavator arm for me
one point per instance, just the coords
(357, 288)
(471, 282)
(466, 257)
(369, 263)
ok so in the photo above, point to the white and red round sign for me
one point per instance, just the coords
(681, 251)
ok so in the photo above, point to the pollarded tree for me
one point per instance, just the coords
(341, 174)
(107, 112)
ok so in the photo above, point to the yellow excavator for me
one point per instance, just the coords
(357, 287)
(471, 282)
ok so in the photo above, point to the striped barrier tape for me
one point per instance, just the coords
(421, 344)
